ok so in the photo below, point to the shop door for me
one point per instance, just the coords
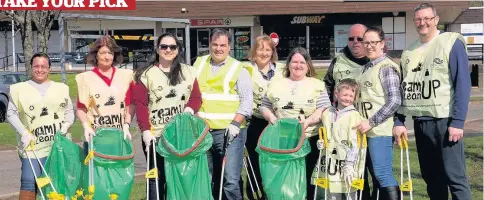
(203, 39)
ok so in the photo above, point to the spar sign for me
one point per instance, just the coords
(275, 38)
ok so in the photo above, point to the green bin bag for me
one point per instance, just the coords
(113, 165)
(282, 148)
(64, 167)
(184, 143)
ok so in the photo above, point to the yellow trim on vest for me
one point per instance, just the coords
(220, 100)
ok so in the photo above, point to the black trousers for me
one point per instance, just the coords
(254, 131)
(442, 163)
(161, 174)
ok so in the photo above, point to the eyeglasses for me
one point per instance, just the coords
(372, 43)
(172, 47)
(359, 39)
(40, 67)
(426, 19)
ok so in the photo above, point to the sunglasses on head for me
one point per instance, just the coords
(172, 47)
(359, 39)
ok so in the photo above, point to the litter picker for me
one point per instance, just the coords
(407, 185)
(257, 194)
(322, 182)
(42, 182)
(362, 145)
(151, 173)
(224, 152)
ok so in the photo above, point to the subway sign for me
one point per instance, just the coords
(307, 19)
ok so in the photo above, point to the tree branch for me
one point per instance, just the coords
(17, 16)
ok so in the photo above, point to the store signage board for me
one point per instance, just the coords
(210, 22)
(307, 19)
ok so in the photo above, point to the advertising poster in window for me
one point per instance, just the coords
(242, 43)
(341, 36)
(389, 41)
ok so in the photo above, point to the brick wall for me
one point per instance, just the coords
(172, 9)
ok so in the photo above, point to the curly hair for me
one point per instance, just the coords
(110, 44)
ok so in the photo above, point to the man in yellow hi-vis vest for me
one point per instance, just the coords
(436, 90)
(227, 99)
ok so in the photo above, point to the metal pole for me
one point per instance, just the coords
(13, 47)
(187, 44)
(307, 39)
(62, 53)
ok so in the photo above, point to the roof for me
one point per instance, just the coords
(470, 16)
(205, 9)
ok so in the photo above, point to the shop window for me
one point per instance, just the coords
(321, 42)
(289, 38)
(180, 34)
(241, 43)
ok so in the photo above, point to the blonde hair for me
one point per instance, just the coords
(348, 84)
(259, 42)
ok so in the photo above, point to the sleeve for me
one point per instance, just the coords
(461, 82)
(390, 80)
(69, 116)
(266, 103)
(13, 118)
(127, 99)
(140, 100)
(80, 105)
(244, 88)
(399, 119)
(323, 99)
(329, 80)
(195, 101)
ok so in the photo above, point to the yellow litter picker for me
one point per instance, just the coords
(41, 182)
(405, 186)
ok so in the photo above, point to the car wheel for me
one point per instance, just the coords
(3, 112)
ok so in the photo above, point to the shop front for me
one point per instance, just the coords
(322, 34)
(132, 36)
(240, 28)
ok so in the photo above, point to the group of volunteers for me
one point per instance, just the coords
(364, 93)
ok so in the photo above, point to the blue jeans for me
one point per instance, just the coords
(232, 184)
(27, 178)
(381, 155)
